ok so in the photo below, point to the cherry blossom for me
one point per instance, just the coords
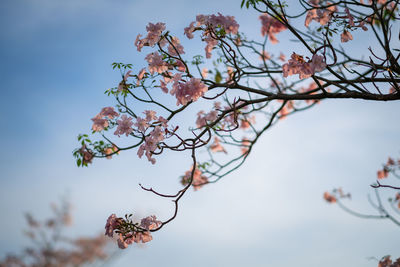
(150, 144)
(124, 126)
(122, 84)
(111, 225)
(271, 26)
(150, 222)
(323, 16)
(140, 76)
(175, 47)
(156, 63)
(189, 91)
(99, 123)
(297, 65)
(198, 179)
(153, 35)
(122, 244)
(110, 150)
(87, 155)
(189, 30)
(109, 112)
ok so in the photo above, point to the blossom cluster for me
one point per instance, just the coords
(185, 90)
(100, 121)
(271, 26)
(320, 15)
(128, 232)
(204, 118)
(197, 181)
(298, 65)
(153, 35)
(390, 166)
(212, 24)
(157, 134)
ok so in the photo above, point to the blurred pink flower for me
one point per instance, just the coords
(124, 126)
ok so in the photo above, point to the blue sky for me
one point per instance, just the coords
(55, 66)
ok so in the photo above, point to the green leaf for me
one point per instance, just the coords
(218, 77)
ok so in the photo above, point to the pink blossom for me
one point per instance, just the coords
(245, 123)
(150, 115)
(322, 16)
(201, 19)
(228, 23)
(121, 242)
(311, 15)
(127, 75)
(188, 91)
(217, 147)
(154, 32)
(139, 43)
(124, 126)
(150, 143)
(87, 155)
(204, 73)
(189, 30)
(109, 112)
(141, 124)
(175, 47)
(99, 123)
(318, 63)
(198, 179)
(156, 63)
(297, 65)
(211, 43)
(140, 75)
(111, 225)
(110, 150)
(163, 121)
(180, 66)
(271, 26)
(346, 36)
(122, 85)
(163, 87)
(142, 237)
(150, 223)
